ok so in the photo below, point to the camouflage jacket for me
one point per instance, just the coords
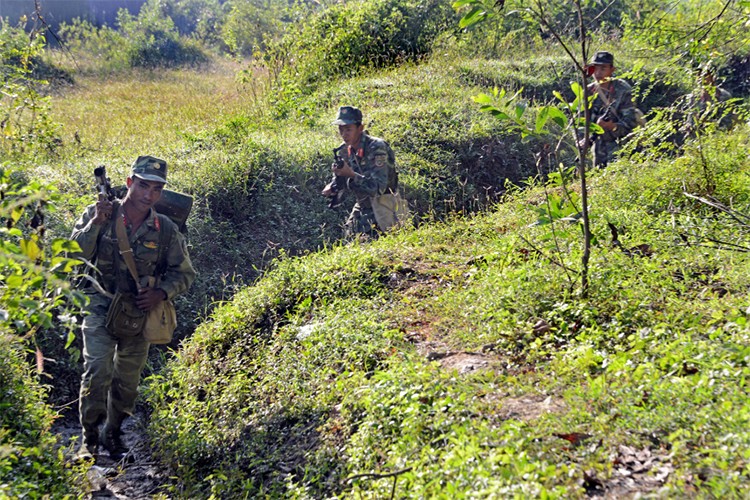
(622, 109)
(99, 246)
(376, 161)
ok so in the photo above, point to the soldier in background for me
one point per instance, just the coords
(366, 166)
(706, 104)
(612, 109)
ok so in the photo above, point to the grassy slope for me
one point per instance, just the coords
(256, 177)
(254, 406)
(322, 371)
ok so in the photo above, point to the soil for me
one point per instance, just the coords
(137, 476)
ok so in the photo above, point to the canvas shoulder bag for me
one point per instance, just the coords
(390, 210)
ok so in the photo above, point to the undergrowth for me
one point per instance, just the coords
(332, 375)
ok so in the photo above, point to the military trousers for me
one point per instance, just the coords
(112, 369)
(604, 152)
(361, 222)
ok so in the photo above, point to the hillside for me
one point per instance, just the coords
(458, 360)
(481, 353)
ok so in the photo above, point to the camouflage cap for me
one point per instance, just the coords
(347, 115)
(150, 168)
(603, 57)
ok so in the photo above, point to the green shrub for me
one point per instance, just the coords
(30, 464)
(348, 38)
(25, 122)
(199, 19)
(250, 25)
(149, 40)
(34, 295)
(153, 41)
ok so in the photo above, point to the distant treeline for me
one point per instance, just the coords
(54, 12)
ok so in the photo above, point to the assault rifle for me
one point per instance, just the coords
(338, 184)
(103, 186)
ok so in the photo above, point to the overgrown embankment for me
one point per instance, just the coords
(333, 375)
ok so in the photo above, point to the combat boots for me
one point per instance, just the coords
(111, 440)
(89, 447)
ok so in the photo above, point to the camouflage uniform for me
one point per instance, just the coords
(622, 111)
(113, 365)
(705, 105)
(376, 162)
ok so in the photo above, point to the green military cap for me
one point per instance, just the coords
(347, 115)
(150, 168)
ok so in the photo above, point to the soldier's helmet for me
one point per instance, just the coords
(348, 115)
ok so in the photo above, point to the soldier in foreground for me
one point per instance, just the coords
(114, 356)
(365, 165)
(612, 109)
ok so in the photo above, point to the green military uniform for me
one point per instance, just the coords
(621, 110)
(376, 163)
(705, 105)
(112, 364)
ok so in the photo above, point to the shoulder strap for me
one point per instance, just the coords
(606, 100)
(122, 241)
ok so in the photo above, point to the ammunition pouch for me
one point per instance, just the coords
(124, 318)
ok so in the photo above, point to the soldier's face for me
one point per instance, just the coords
(142, 193)
(603, 72)
(351, 133)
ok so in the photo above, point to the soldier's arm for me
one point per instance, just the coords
(179, 274)
(86, 233)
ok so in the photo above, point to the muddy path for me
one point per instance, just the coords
(138, 476)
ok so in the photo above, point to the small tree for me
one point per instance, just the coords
(24, 112)
(569, 118)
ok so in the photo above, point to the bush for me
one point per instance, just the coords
(347, 38)
(24, 113)
(153, 41)
(149, 40)
(33, 293)
(199, 19)
(250, 24)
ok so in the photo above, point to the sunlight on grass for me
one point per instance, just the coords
(148, 110)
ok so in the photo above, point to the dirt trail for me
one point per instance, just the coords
(141, 478)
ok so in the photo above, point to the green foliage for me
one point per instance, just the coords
(34, 296)
(148, 40)
(199, 19)
(101, 42)
(688, 33)
(33, 285)
(25, 123)
(493, 28)
(30, 464)
(346, 39)
(250, 25)
(153, 40)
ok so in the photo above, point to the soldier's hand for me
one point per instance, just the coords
(328, 190)
(345, 171)
(606, 124)
(148, 298)
(103, 211)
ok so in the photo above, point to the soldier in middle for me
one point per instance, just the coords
(366, 166)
